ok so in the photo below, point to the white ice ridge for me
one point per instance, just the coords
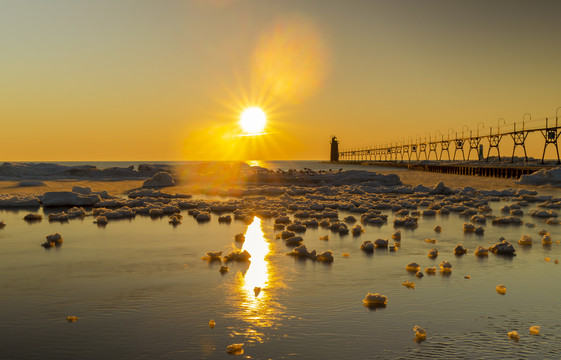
(542, 177)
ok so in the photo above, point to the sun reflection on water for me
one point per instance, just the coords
(258, 308)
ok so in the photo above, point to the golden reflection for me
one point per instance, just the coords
(257, 275)
(257, 286)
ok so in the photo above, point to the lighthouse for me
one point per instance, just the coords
(334, 149)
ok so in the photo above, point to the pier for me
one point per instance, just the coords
(434, 153)
(435, 148)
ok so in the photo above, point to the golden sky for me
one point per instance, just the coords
(167, 80)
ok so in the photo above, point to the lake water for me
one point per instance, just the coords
(141, 290)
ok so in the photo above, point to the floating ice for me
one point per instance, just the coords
(445, 266)
(513, 335)
(381, 243)
(431, 270)
(238, 255)
(72, 318)
(420, 333)
(481, 251)
(525, 240)
(256, 291)
(408, 284)
(502, 248)
(324, 238)
(419, 274)
(212, 324)
(437, 228)
(18, 201)
(433, 253)
(501, 289)
(375, 300)
(294, 240)
(53, 240)
(469, 228)
(235, 349)
(33, 217)
(101, 220)
(459, 250)
(413, 267)
(534, 330)
(240, 237)
(431, 241)
(224, 269)
(213, 256)
(542, 177)
(397, 235)
(367, 246)
(174, 220)
(357, 230)
(326, 256)
(546, 239)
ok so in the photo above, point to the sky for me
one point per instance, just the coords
(167, 80)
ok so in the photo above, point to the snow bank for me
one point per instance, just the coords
(542, 177)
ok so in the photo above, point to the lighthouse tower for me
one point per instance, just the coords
(334, 149)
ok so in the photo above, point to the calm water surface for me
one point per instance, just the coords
(141, 290)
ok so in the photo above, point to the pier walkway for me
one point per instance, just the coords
(435, 148)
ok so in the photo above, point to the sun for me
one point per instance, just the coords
(253, 120)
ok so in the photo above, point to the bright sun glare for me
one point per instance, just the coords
(252, 120)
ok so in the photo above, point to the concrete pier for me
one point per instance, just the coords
(464, 169)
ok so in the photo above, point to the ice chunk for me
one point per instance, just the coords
(295, 240)
(445, 266)
(437, 228)
(101, 220)
(367, 246)
(431, 241)
(501, 289)
(513, 335)
(381, 243)
(397, 235)
(238, 255)
(525, 240)
(239, 237)
(433, 253)
(212, 324)
(52, 241)
(375, 300)
(33, 217)
(534, 330)
(420, 333)
(469, 228)
(408, 284)
(256, 291)
(357, 230)
(546, 239)
(324, 238)
(68, 198)
(72, 318)
(460, 250)
(481, 251)
(224, 269)
(326, 256)
(161, 179)
(213, 256)
(413, 267)
(235, 349)
(502, 248)
(431, 270)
